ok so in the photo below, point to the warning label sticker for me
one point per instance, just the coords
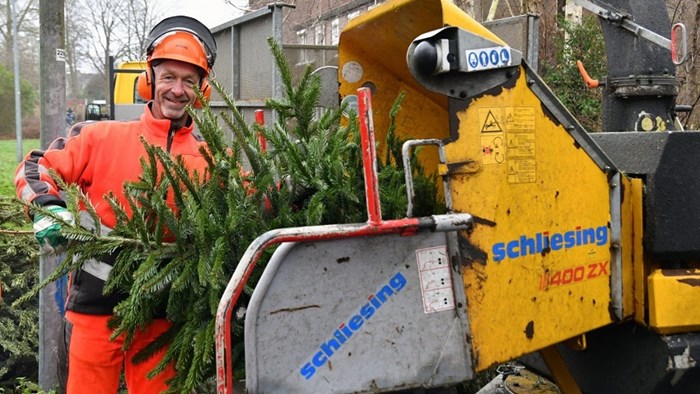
(520, 118)
(489, 119)
(508, 138)
(522, 171)
(435, 279)
(521, 145)
(493, 148)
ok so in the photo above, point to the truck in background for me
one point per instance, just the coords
(126, 103)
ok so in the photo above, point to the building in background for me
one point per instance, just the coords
(318, 22)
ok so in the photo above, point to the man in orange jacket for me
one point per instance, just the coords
(99, 158)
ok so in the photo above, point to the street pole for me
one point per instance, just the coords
(18, 97)
(53, 124)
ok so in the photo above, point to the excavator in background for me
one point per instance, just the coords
(95, 110)
(574, 251)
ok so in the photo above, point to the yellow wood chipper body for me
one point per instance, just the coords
(558, 248)
(574, 252)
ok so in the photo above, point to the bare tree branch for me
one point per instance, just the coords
(492, 10)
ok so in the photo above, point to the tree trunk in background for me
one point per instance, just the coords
(492, 10)
(74, 31)
(688, 12)
(7, 32)
(693, 90)
(24, 12)
(467, 6)
(529, 6)
(53, 125)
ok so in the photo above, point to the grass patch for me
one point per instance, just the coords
(8, 163)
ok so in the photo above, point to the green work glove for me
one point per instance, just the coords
(47, 230)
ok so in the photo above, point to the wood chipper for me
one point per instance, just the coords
(571, 251)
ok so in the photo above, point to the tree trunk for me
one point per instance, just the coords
(9, 38)
(692, 70)
(492, 10)
(466, 5)
(528, 6)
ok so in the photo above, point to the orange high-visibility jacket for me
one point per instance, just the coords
(100, 159)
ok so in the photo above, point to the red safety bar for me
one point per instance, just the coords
(260, 119)
(369, 156)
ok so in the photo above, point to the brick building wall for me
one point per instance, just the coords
(317, 22)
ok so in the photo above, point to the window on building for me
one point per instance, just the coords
(301, 37)
(353, 14)
(302, 40)
(335, 31)
(320, 35)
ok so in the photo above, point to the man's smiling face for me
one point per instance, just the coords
(174, 89)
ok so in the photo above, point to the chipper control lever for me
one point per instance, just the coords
(590, 82)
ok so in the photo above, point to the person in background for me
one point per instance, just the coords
(70, 117)
(99, 157)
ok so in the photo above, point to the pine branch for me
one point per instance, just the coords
(16, 232)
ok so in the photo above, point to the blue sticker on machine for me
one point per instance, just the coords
(349, 326)
(526, 245)
(488, 58)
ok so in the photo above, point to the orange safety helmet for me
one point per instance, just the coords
(179, 38)
(182, 46)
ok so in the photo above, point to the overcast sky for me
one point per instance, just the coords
(210, 12)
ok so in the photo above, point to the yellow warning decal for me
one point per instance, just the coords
(493, 148)
(508, 138)
(519, 118)
(490, 120)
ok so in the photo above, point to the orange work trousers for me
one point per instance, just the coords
(95, 363)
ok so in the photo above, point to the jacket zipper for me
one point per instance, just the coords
(171, 136)
(168, 145)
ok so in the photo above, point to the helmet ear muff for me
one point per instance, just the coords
(144, 85)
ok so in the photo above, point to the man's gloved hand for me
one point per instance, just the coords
(47, 230)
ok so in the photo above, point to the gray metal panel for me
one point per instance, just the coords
(128, 111)
(520, 32)
(223, 69)
(245, 65)
(311, 293)
(634, 153)
(256, 60)
(667, 162)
